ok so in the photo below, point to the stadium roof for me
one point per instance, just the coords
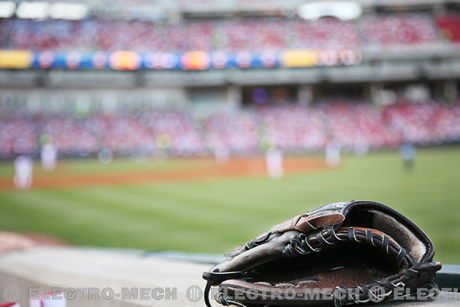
(160, 9)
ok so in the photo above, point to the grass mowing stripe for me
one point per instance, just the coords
(130, 201)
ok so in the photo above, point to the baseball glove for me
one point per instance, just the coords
(339, 254)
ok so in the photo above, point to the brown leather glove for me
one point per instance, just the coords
(339, 254)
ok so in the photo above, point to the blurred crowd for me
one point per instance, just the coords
(355, 127)
(245, 34)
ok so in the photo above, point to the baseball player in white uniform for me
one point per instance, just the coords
(23, 169)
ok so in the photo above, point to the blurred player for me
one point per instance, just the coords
(407, 151)
(105, 156)
(163, 143)
(48, 156)
(274, 162)
(219, 148)
(23, 168)
(333, 157)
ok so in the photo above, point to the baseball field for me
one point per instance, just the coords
(197, 205)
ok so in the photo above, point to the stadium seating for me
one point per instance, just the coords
(425, 123)
(450, 27)
(357, 127)
(294, 129)
(235, 133)
(17, 136)
(68, 134)
(185, 138)
(245, 34)
(394, 30)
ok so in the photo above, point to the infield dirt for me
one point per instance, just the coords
(208, 169)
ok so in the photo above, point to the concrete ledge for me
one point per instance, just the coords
(48, 269)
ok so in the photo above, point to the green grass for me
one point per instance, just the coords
(214, 216)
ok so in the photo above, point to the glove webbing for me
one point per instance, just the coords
(303, 244)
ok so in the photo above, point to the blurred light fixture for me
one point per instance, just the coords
(71, 11)
(7, 9)
(344, 10)
(33, 10)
